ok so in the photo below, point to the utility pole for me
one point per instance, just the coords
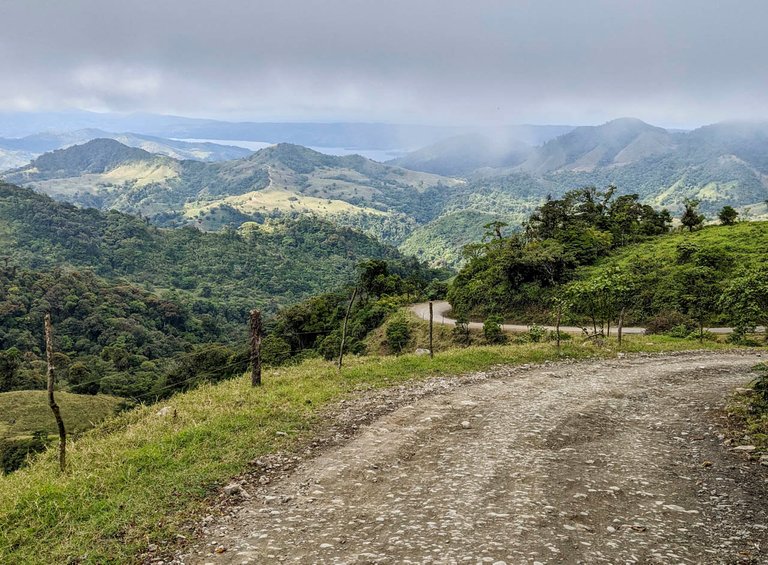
(255, 343)
(51, 399)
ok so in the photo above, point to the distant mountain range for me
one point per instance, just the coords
(429, 202)
(338, 135)
(276, 181)
(16, 152)
(720, 163)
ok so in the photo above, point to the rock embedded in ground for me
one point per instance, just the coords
(746, 448)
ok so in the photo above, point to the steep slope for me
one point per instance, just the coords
(618, 142)
(729, 251)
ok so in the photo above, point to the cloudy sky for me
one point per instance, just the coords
(670, 62)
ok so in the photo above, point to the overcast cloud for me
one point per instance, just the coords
(673, 63)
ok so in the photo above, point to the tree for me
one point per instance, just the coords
(691, 217)
(493, 229)
(746, 299)
(398, 334)
(698, 292)
(10, 361)
(728, 216)
(492, 330)
(461, 330)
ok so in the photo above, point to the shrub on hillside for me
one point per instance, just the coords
(536, 334)
(461, 330)
(398, 334)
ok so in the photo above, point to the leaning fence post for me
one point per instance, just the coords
(51, 399)
(255, 343)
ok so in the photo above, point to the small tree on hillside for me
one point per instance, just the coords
(698, 293)
(493, 229)
(492, 330)
(398, 334)
(728, 216)
(746, 300)
(461, 330)
(691, 217)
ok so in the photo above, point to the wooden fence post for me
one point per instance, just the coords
(51, 399)
(255, 342)
(344, 328)
(431, 349)
(557, 326)
(621, 323)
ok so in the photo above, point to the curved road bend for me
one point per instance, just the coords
(441, 308)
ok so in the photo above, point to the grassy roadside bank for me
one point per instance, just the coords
(133, 479)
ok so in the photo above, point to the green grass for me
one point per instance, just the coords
(746, 242)
(134, 479)
(27, 411)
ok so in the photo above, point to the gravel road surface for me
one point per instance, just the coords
(613, 461)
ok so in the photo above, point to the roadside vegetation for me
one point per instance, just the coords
(748, 415)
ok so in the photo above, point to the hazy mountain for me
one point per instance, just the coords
(330, 135)
(616, 143)
(461, 155)
(31, 146)
(724, 163)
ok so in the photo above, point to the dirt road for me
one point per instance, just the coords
(441, 308)
(602, 462)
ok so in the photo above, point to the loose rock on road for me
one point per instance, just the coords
(614, 461)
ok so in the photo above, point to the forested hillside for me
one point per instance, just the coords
(595, 258)
(425, 214)
(127, 297)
